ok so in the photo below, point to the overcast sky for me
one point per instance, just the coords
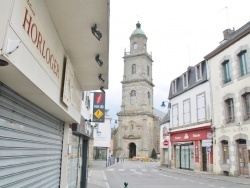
(180, 33)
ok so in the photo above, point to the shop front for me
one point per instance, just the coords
(192, 148)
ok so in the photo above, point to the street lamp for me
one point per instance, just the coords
(163, 105)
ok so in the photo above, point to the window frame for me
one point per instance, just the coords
(188, 113)
(229, 104)
(244, 65)
(133, 97)
(134, 69)
(246, 106)
(135, 45)
(149, 96)
(173, 116)
(148, 70)
(198, 72)
(185, 80)
(174, 86)
(226, 71)
(225, 154)
(199, 109)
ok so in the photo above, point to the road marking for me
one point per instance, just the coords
(133, 170)
(144, 170)
(211, 185)
(110, 169)
(104, 176)
(107, 184)
(122, 169)
(201, 183)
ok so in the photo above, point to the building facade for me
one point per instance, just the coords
(190, 120)
(135, 133)
(165, 156)
(230, 77)
(43, 72)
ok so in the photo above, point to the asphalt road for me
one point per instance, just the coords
(148, 175)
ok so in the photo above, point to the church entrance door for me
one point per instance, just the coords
(132, 150)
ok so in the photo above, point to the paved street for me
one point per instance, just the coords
(151, 175)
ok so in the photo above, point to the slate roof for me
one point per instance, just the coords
(191, 80)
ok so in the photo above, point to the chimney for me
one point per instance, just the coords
(227, 33)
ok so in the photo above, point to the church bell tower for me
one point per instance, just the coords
(134, 136)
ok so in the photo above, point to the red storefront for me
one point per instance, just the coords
(192, 148)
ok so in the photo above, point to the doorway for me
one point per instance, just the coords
(132, 150)
(204, 159)
(243, 157)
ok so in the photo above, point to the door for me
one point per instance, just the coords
(204, 159)
(132, 150)
(30, 143)
(243, 157)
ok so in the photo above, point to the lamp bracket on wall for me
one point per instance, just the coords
(12, 46)
(101, 78)
(97, 59)
(101, 88)
(96, 32)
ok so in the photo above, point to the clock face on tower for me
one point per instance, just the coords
(68, 83)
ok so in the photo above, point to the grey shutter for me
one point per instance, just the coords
(30, 143)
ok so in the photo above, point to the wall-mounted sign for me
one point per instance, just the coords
(99, 107)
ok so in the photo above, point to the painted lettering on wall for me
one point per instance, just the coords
(37, 38)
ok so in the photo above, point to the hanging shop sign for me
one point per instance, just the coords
(82, 128)
(191, 135)
(99, 107)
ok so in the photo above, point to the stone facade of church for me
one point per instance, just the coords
(138, 130)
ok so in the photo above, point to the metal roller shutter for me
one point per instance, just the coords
(30, 143)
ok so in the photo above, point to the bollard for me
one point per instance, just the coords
(125, 184)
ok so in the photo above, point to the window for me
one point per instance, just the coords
(186, 112)
(244, 63)
(174, 88)
(135, 45)
(175, 115)
(229, 111)
(246, 101)
(225, 151)
(133, 69)
(148, 70)
(198, 72)
(133, 97)
(185, 80)
(226, 70)
(201, 110)
(148, 98)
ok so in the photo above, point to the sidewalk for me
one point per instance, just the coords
(239, 179)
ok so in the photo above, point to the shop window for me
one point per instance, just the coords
(226, 71)
(246, 104)
(225, 150)
(230, 111)
(244, 63)
(133, 69)
(132, 97)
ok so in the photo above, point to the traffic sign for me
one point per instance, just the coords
(165, 143)
(208, 149)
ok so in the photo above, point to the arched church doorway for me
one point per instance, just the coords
(132, 150)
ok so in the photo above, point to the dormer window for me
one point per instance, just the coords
(198, 72)
(185, 80)
(174, 87)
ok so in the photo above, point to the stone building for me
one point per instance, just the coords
(138, 127)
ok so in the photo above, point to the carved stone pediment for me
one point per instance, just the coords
(132, 136)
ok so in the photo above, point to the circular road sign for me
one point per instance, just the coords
(208, 149)
(165, 143)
